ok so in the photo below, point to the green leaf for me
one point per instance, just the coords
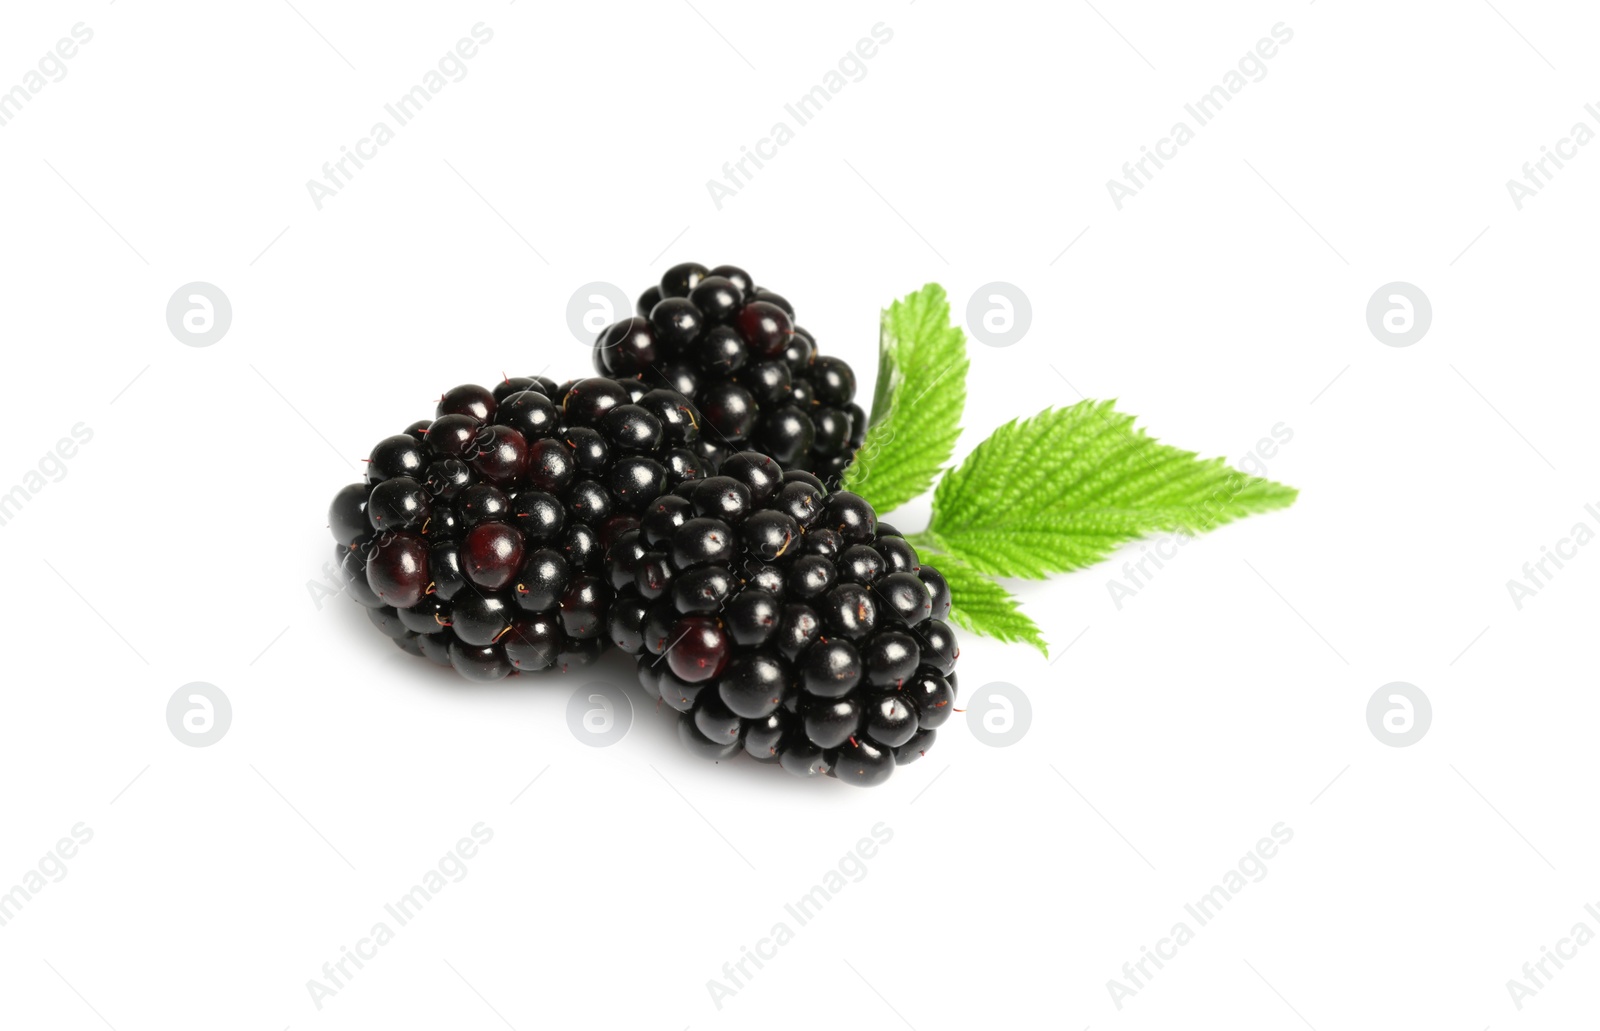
(916, 407)
(1065, 488)
(983, 606)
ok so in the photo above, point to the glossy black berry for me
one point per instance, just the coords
(347, 515)
(511, 385)
(733, 349)
(903, 598)
(584, 606)
(898, 555)
(765, 328)
(446, 478)
(810, 644)
(679, 280)
(429, 616)
(537, 514)
(721, 497)
(891, 657)
(720, 351)
(752, 616)
(533, 642)
(500, 456)
(444, 569)
(627, 348)
(482, 503)
(700, 541)
(698, 650)
(763, 735)
(786, 434)
(399, 503)
(677, 323)
(678, 417)
(698, 744)
(717, 298)
(397, 569)
(481, 617)
(938, 589)
(590, 449)
(588, 400)
(632, 428)
(849, 611)
(541, 581)
(754, 684)
(933, 697)
(757, 471)
(483, 663)
(730, 411)
(399, 455)
(636, 480)
(831, 669)
(830, 722)
(467, 399)
(481, 537)
(703, 590)
(491, 554)
(529, 412)
(863, 762)
(735, 275)
(938, 646)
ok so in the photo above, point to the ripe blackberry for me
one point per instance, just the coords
(477, 540)
(734, 349)
(777, 620)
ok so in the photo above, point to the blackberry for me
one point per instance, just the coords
(778, 620)
(478, 538)
(735, 350)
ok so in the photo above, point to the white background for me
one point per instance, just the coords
(1227, 696)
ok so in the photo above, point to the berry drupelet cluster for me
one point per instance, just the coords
(733, 347)
(479, 536)
(784, 621)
